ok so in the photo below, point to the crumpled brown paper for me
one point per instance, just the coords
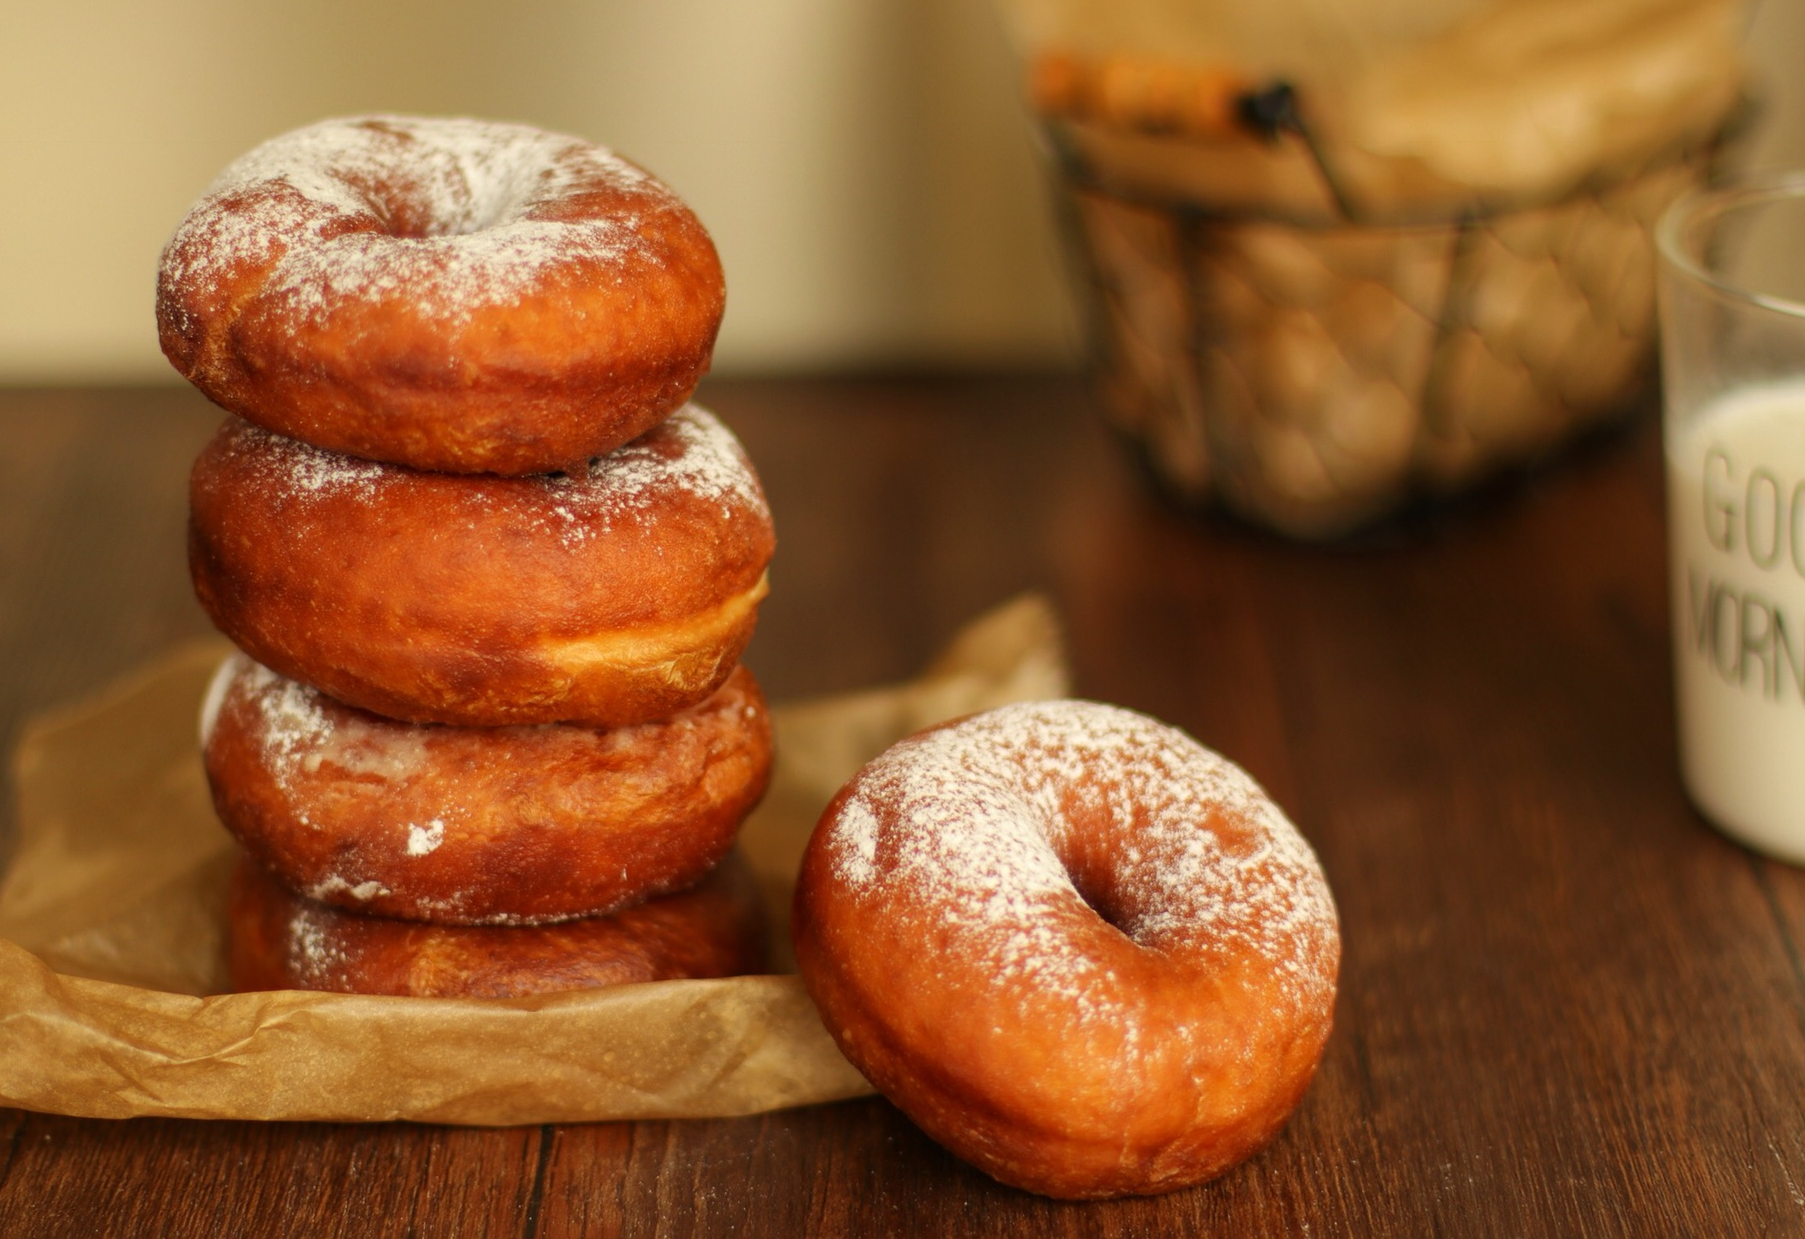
(110, 926)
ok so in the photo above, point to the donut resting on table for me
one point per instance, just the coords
(1077, 948)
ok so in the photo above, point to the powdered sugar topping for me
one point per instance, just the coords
(457, 212)
(313, 953)
(976, 822)
(425, 840)
(289, 470)
(298, 731)
(691, 452)
(324, 891)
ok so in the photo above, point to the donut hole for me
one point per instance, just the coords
(1090, 863)
(418, 187)
(403, 217)
(1102, 895)
(453, 208)
(497, 196)
(1117, 879)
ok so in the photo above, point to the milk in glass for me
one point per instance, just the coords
(1736, 514)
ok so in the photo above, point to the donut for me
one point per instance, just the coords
(478, 825)
(454, 295)
(615, 596)
(1075, 947)
(277, 940)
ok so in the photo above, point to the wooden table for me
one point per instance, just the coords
(1567, 1006)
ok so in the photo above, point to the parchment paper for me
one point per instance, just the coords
(110, 939)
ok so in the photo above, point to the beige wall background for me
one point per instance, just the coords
(865, 165)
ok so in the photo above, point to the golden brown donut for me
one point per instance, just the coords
(1077, 948)
(277, 940)
(479, 825)
(455, 295)
(610, 599)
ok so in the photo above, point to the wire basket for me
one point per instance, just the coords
(1312, 376)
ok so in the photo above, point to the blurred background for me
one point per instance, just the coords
(867, 166)
(864, 165)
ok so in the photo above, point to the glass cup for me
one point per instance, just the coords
(1732, 308)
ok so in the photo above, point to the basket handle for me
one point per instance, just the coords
(1167, 99)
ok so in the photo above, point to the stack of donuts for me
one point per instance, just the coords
(488, 571)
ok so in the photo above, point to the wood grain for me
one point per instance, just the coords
(1568, 1007)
